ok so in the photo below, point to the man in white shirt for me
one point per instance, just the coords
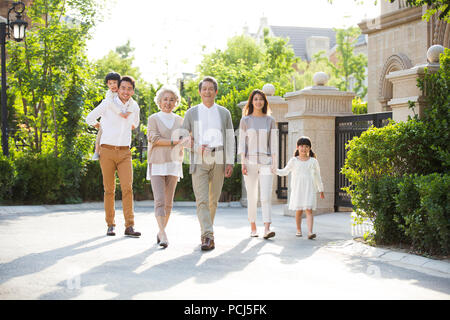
(212, 155)
(115, 152)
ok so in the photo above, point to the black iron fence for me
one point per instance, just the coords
(282, 187)
(346, 128)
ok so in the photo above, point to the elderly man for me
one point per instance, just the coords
(115, 154)
(212, 155)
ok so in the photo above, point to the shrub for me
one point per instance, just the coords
(91, 186)
(47, 179)
(184, 190)
(396, 149)
(232, 186)
(6, 179)
(359, 106)
(436, 115)
(432, 219)
(378, 204)
(398, 173)
(141, 186)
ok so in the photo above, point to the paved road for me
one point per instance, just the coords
(65, 254)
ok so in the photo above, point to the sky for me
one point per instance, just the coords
(171, 36)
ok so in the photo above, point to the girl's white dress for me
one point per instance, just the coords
(305, 182)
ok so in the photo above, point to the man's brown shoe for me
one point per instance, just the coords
(207, 244)
(131, 233)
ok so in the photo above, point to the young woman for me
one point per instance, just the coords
(257, 148)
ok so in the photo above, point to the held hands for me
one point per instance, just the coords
(322, 195)
(273, 168)
(244, 169)
(228, 170)
(186, 142)
(124, 115)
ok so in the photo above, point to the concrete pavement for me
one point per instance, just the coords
(61, 252)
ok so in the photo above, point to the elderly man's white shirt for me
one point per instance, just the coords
(210, 126)
(116, 130)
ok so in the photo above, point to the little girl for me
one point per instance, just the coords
(305, 182)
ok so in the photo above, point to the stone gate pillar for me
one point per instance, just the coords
(312, 112)
(404, 86)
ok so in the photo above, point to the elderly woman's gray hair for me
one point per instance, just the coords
(167, 88)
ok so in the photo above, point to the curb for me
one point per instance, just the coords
(5, 210)
(354, 248)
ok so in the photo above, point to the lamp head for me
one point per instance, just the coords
(19, 25)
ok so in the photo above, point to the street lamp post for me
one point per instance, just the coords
(17, 27)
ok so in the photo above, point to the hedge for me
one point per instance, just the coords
(399, 174)
(46, 179)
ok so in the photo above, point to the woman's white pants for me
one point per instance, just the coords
(259, 175)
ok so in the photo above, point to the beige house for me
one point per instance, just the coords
(398, 40)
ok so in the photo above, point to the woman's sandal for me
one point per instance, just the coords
(311, 236)
(298, 234)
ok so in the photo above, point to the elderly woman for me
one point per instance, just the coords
(165, 155)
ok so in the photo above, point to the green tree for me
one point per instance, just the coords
(306, 70)
(245, 65)
(50, 76)
(349, 67)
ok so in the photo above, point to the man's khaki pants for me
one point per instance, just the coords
(120, 161)
(207, 182)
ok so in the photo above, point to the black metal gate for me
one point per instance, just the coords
(346, 128)
(282, 188)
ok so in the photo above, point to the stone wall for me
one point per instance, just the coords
(396, 41)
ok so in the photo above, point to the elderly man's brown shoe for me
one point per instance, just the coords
(207, 244)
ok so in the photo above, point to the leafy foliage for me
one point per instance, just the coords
(359, 106)
(6, 178)
(50, 76)
(243, 66)
(349, 67)
(436, 117)
(399, 173)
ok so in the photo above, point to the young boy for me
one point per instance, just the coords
(112, 81)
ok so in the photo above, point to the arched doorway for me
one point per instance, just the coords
(395, 62)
